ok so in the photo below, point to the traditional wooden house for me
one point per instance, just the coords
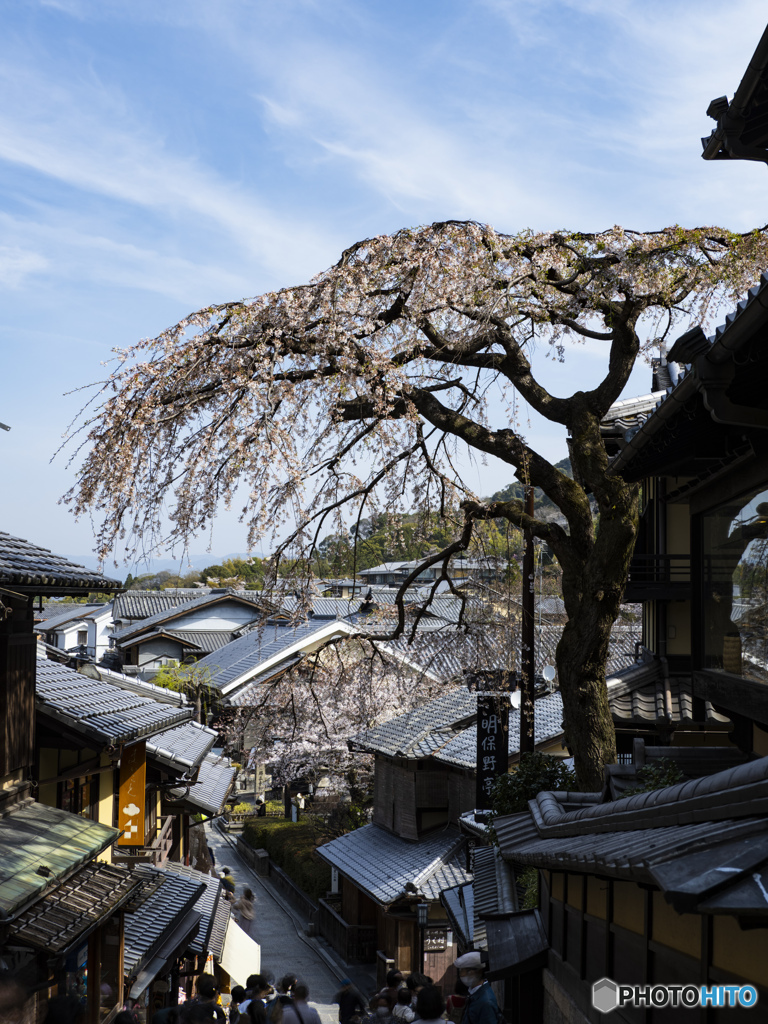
(61, 910)
(391, 873)
(187, 630)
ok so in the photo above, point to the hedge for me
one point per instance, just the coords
(291, 845)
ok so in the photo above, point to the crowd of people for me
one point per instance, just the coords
(403, 1000)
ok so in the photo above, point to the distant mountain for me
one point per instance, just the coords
(176, 565)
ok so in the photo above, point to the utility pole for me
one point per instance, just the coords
(527, 658)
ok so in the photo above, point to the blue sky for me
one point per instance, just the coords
(157, 157)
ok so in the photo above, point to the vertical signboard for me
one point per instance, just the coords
(492, 744)
(133, 780)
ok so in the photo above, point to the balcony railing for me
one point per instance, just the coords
(355, 943)
(660, 569)
(156, 854)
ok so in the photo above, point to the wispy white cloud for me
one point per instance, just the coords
(17, 264)
(85, 134)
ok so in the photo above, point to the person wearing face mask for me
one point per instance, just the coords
(380, 1011)
(481, 1006)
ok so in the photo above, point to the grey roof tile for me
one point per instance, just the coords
(71, 614)
(253, 598)
(547, 725)
(24, 565)
(214, 782)
(207, 902)
(182, 747)
(685, 839)
(140, 604)
(459, 903)
(447, 654)
(382, 864)
(244, 655)
(444, 729)
(57, 921)
(166, 897)
(100, 710)
(249, 692)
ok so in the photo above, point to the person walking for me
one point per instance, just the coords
(351, 1002)
(245, 908)
(298, 1011)
(481, 1006)
(228, 881)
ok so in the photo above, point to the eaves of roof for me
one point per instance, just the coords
(733, 119)
(388, 868)
(31, 569)
(207, 902)
(740, 324)
(182, 747)
(100, 711)
(252, 664)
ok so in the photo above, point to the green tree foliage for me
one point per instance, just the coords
(536, 773)
(195, 683)
(662, 773)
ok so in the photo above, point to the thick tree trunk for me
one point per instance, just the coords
(593, 600)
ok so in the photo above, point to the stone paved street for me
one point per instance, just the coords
(279, 932)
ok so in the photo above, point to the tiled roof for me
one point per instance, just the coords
(140, 604)
(75, 908)
(26, 566)
(206, 905)
(461, 750)
(444, 729)
(210, 792)
(493, 890)
(253, 598)
(447, 654)
(182, 747)
(37, 836)
(684, 839)
(401, 736)
(646, 704)
(203, 639)
(207, 640)
(166, 897)
(219, 928)
(100, 710)
(740, 325)
(249, 693)
(134, 684)
(324, 607)
(241, 659)
(71, 613)
(382, 864)
(459, 904)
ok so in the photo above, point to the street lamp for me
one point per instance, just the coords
(422, 915)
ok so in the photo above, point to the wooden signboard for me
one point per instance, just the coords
(435, 940)
(133, 781)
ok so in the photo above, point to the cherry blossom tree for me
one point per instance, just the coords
(353, 393)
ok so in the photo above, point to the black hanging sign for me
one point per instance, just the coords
(492, 744)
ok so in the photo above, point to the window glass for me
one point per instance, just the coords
(735, 572)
